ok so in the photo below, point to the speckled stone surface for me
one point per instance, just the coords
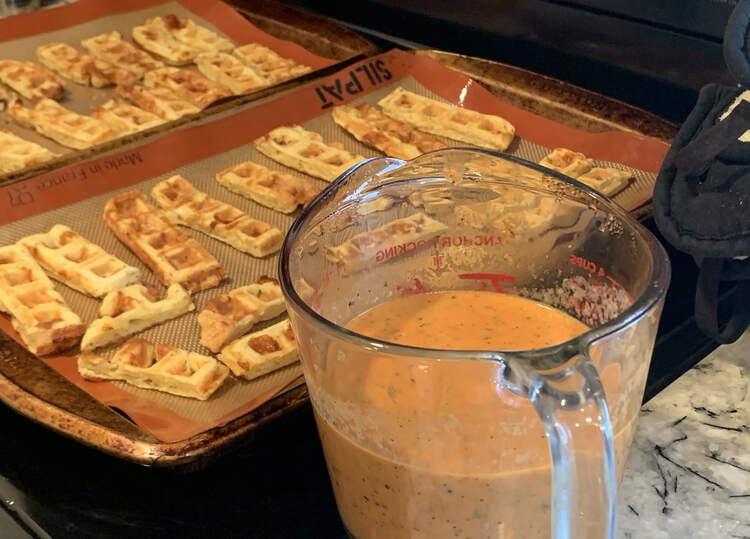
(688, 471)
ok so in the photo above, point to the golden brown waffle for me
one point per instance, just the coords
(268, 63)
(186, 31)
(231, 315)
(230, 72)
(187, 85)
(567, 162)
(133, 308)
(172, 255)
(185, 205)
(113, 49)
(81, 68)
(261, 352)
(125, 118)
(277, 190)
(392, 137)
(161, 101)
(17, 153)
(442, 119)
(155, 37)
(38, 313)
(305, 150)
(161, 367)
(52, 120)
(7, 97)
(608, 181)
(78, 263)
(400, 236)
(31, 80)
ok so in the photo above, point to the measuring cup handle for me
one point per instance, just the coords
(579, 432)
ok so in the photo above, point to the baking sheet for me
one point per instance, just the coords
(21, 35)
(75, 196)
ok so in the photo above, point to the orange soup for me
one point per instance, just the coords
(445, 450)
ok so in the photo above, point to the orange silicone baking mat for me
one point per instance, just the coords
(75, 196)
(20, 36)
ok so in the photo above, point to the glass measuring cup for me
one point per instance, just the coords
(444, 443)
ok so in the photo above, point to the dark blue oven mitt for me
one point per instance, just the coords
(702, 193)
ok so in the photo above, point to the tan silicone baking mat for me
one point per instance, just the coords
(75, 196)
(20, 35)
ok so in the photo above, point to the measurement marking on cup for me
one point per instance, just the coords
(437, 258)
(495, 279)
(592, 268)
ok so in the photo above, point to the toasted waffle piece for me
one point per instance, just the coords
(7, 97)
(567, 162)
(432, 200)
(399, 236)
(160, 101)
(187, 85)
(198, 37)
(156, 38)
(230, 72)
(392, 137)
(112, 48)
(261, 352)
(172, 255)
(485, 130)
(38, 313)
(131, 309)
(17, 153)
(161, 367)
(78, 263)
(267, 62)
(52, 120)
(31, 80)
(231, 315)
(277, 190)
(81, 68)
(481, 215)
(125, 118)
(608, 181)
(185, 205)
(306, 151)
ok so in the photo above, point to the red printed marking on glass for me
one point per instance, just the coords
(495, 279)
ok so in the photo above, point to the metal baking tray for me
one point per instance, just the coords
(318, 35)
(38, 392)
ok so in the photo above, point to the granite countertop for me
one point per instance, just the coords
(688, 470)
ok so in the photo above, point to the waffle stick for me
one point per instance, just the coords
(271, 65)
(261, 352)
(197, 37)
(231, 315)
(17, 153)
(70, 129)
(392, 137)
(276, 190)
(445, 120)
(78, 263)
(183, 204)
(131, 309)
(31, 80)
(81, 68)
(173, 256)
(38, 312)
(161, 367)
(155, 37)
(306, 151)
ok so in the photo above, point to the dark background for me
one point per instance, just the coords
(654, 54)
